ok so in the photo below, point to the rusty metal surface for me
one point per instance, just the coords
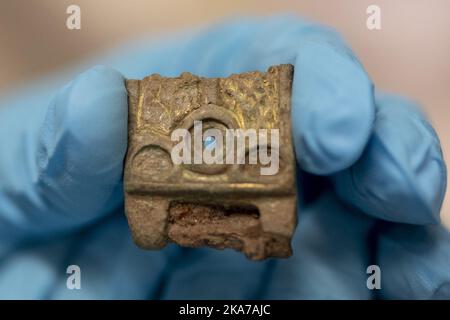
(216, 205)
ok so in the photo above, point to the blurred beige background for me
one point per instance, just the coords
(409, 55)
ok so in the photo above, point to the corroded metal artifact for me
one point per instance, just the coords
(227, 205)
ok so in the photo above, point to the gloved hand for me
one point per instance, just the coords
(371, 177)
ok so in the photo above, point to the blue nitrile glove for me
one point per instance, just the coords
(364, 157)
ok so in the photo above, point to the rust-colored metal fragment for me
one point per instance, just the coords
(216, 205)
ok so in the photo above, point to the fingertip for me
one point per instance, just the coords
(333, 108)
(96, 115)
(401, 176)
(81, 148)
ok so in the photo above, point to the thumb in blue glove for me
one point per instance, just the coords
(61, 163)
